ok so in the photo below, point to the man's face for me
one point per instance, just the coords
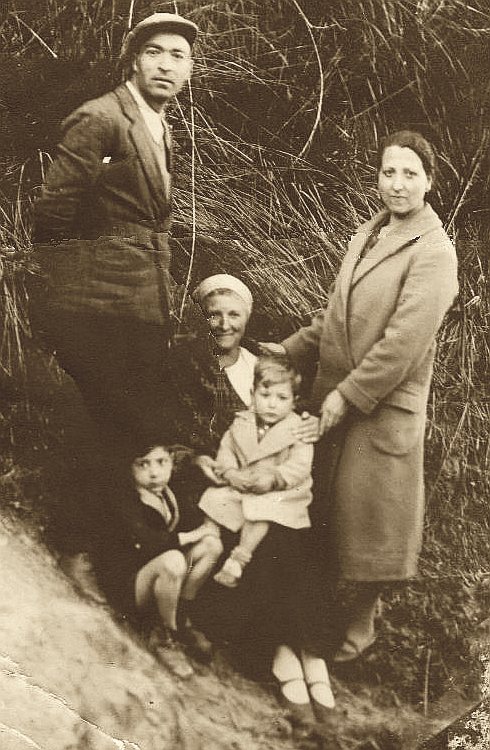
(161, 67)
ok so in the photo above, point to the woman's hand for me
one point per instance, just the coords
(334, 409)
(309, 429)
(208, 467)
(268, 347)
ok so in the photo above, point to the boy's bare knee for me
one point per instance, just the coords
(174, 564)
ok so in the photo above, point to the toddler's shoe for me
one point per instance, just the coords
(230, 573)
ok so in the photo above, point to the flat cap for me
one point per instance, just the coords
(171, 22)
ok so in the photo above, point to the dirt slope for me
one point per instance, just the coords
(73, 678)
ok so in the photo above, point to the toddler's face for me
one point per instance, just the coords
(152, 471)
(273, 402)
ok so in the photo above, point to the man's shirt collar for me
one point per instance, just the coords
(153, 120)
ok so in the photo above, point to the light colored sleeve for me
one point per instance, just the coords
(226, 457)
(427, 293)
(297, 468)
(303, 346)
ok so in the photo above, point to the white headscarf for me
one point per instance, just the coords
(226, 282)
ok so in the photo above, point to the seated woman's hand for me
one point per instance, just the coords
(309, 429)
(208, 467)
(334, 409)
(268, 347)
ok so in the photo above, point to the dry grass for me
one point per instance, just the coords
(276, 167)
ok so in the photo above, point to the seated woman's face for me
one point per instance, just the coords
(227, 317)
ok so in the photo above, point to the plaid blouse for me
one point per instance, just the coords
(207, 400)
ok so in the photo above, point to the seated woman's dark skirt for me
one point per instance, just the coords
(282, 597)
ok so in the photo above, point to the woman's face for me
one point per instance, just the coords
(227, 317)
(402, 181)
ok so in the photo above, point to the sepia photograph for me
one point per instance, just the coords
(244, 375)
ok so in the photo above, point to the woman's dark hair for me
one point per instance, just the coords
(416, 142)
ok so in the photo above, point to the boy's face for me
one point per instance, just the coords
(273, 402)
(152, 471)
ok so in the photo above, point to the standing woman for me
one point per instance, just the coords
(375, 346)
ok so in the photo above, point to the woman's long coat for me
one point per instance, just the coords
(375, 343)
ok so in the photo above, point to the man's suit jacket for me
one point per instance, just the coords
(101, 221)
(376, 340)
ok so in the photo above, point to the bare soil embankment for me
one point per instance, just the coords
(73, 678)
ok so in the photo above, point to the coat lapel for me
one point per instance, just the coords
(244, 432)
(395, 241)
(153, 501)
(351, 258)
(140, 137)
(278, 437)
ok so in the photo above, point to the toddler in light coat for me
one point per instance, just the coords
(265, 469)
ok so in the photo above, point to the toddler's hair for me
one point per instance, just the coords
(271, 369)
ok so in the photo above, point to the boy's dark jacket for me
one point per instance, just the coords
(137, 533)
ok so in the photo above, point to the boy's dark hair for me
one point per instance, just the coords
(271, 369)
(144, 448)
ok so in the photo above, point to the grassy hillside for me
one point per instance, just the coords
(276, 141)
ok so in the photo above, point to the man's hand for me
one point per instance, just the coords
(334, 409)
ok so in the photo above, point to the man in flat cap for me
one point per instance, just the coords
(101, 225)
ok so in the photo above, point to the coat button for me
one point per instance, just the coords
(137, 545)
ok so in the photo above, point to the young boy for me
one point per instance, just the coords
(171, 563)
(266, 469)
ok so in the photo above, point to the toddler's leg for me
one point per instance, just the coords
(251, 535)
(213, 527)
